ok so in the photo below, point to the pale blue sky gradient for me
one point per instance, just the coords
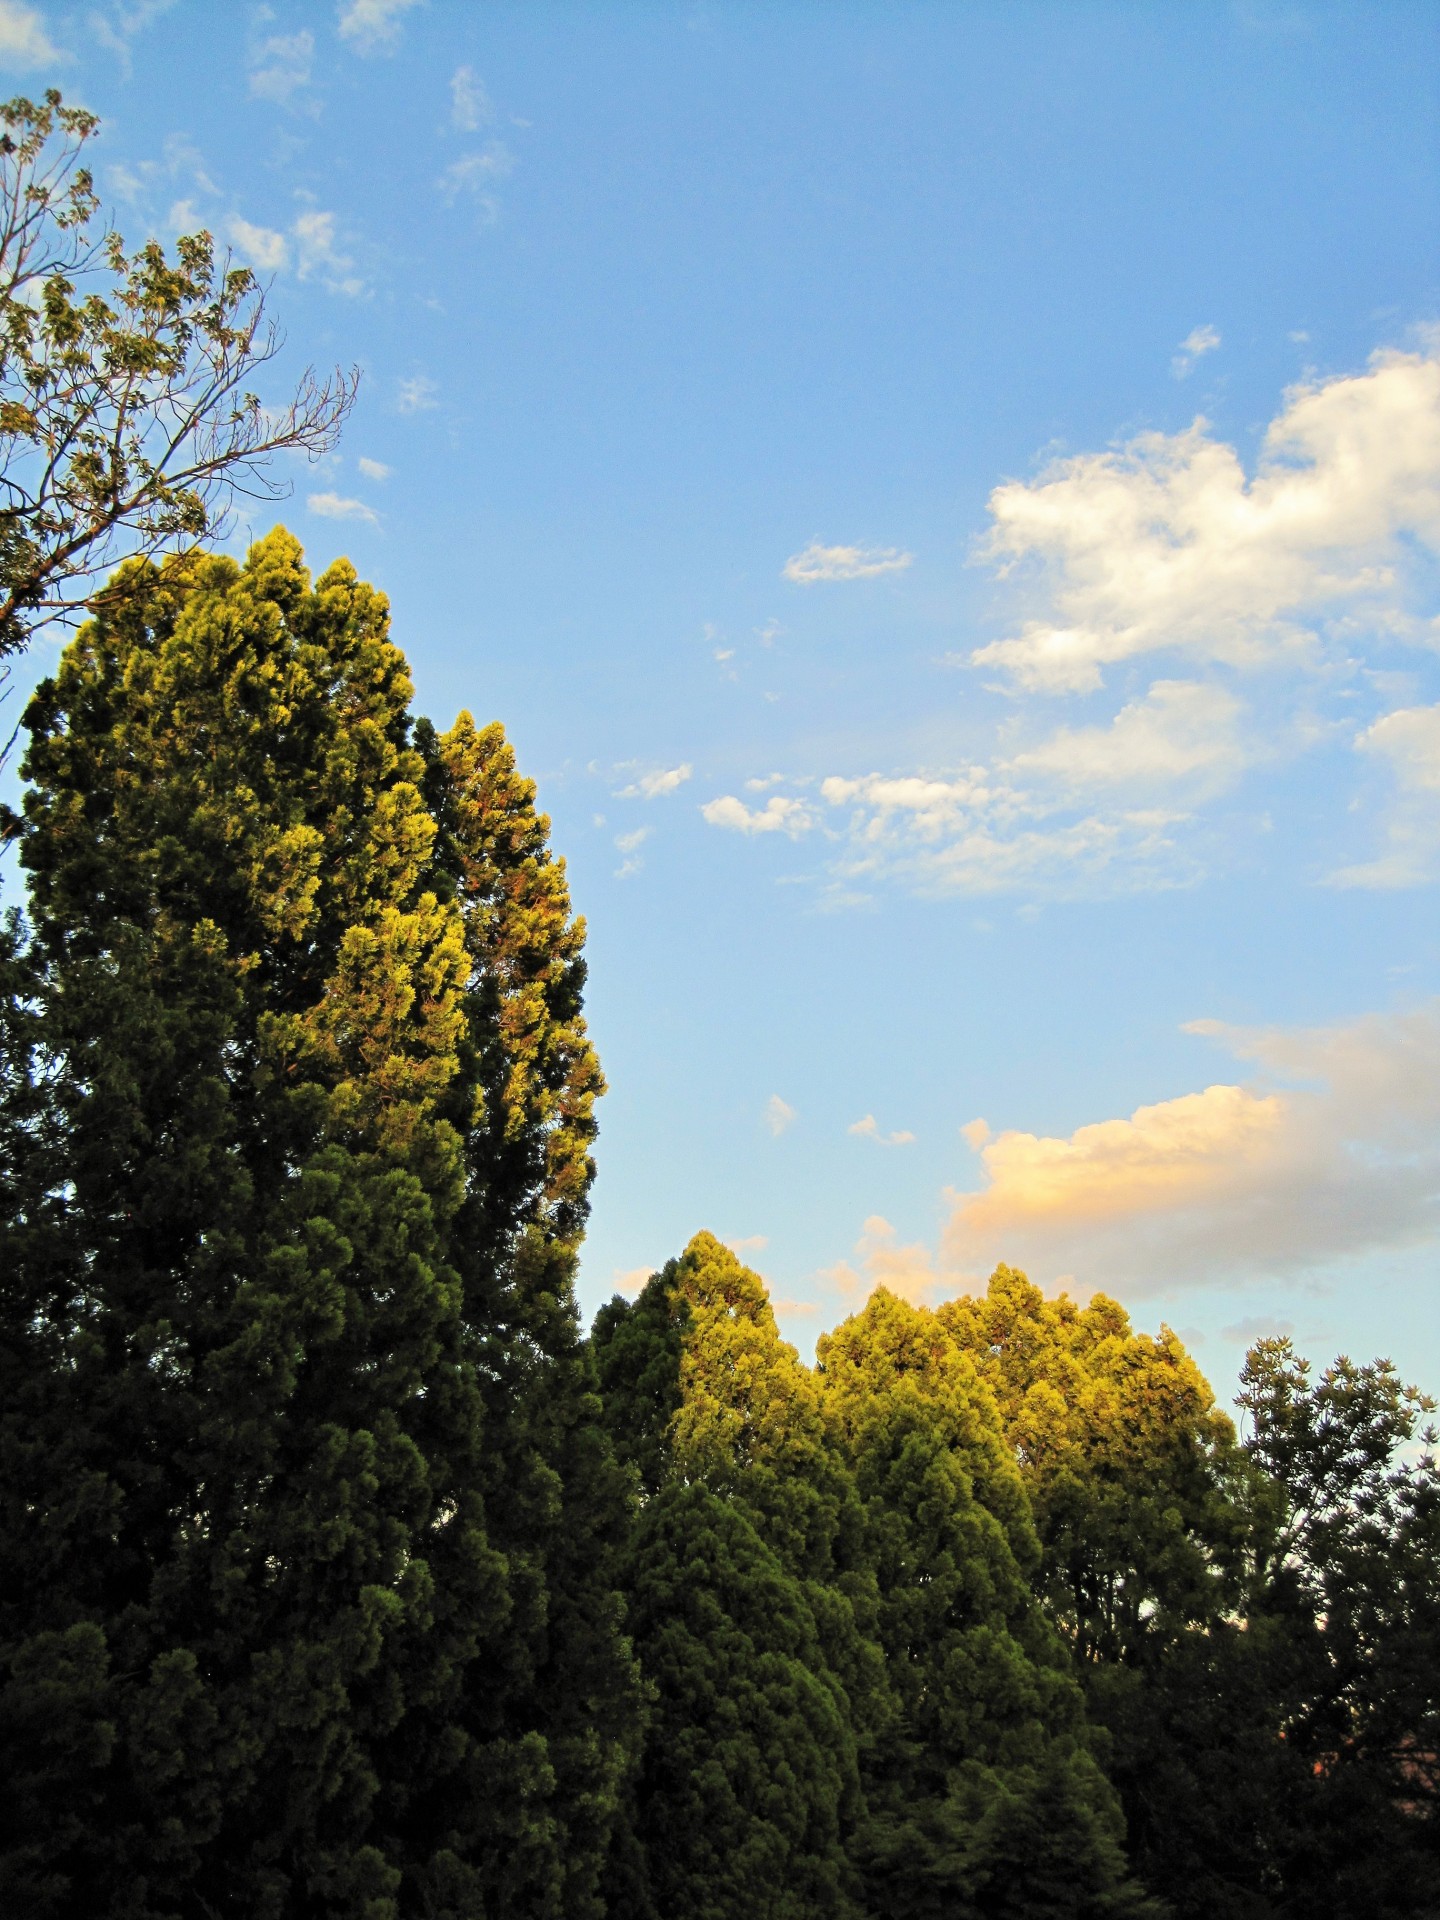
(648, 300)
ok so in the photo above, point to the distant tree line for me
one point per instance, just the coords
(342, 1576)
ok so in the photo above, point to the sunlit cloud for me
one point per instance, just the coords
(869, 1129)
(1167, 543)
(1335, 1153)
(373, 469)
(779, 1115)
(818, 563)
(881, 1260)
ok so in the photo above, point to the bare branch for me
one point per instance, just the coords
(128, 423)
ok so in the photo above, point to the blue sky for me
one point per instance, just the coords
(946, 501)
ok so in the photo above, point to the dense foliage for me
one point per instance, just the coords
(340, 1577)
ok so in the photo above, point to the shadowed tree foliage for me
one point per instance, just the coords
(1257, 1624)
(984, 1797)
(307, 1516)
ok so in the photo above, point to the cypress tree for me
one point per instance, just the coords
(307, 1518)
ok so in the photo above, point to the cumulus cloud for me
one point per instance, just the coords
(779, 1115)
(1200, 340)
(654, 786)
(628, 842)
(373, 469)
(817, 563)
(1335, 1153)
(372, 26)
(1407, 742)
(25, 39)
(265, 249)
(782, 813)
(869, 1129)
(631, 1281)
(1167, 543)
(335, 506)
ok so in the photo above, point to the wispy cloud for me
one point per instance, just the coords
(318, 257)
(475, 173)
(470, 107)
(1407, 741)
(1179, 731)
(654, 786)
(818, 563)
(1168, 544)
(372, 26)
(373, 469)
(779, 1115)
(25, 38)
(280, 66)
(418, 394)
(1199, 341)
(869, 1129)
(335, 506)
(118, 25)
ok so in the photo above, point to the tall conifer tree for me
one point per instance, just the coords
(306, 1512)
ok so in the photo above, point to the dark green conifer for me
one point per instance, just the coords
(307, 1517)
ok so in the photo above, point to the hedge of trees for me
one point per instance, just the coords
(341, 1574)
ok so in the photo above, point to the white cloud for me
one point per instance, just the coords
(1200, 340)
(780, 814)
(747, 1243)
(373, 25)
(469, 105)
(1408, 742)
(319, 258)
(373, 469)
(653, 786)
(265, 249)
(280, 66)
(416, 395)
(1335, 1153)
(1167, 543)
(779, 1115)
(119, 24)
(334, 506)
(628, 842)
(25, 39)
(869, 1129)
(472, 173)
(817, 563)
(1182, 730)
